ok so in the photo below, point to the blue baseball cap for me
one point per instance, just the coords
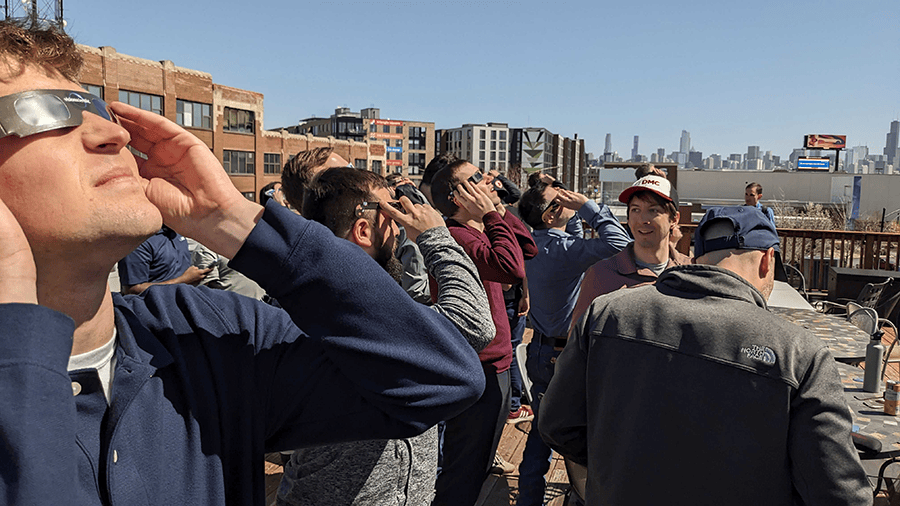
(752, 230)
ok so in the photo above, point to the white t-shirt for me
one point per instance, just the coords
(103, 359)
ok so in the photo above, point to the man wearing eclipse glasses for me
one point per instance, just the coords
(359, 206)
(554, 281)
(498, 243)
(174, 396)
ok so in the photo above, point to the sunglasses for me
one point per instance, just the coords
(371, 206)
(35, 111)
(551, 208)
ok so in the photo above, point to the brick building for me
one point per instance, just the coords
(409, 145)
(228, 120)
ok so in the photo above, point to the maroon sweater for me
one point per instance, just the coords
(499, 253)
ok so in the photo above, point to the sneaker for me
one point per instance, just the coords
(523, 414)
(501, 466)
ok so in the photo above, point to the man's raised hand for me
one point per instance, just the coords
(18, 275)
(570, 199)
(418, 217)
(187, 183)
(475, 199)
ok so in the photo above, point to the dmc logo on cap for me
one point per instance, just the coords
(649, 181)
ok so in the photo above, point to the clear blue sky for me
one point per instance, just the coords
(731, 73)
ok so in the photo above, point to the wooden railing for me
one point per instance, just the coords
(814, 251)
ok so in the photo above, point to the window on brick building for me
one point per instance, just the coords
(398, 130)
(360, 163)
(416, 163)
(238, 162)
(272, 163)
(238, 121)
(193, 114)
(152, 103)
(376, 166)
(93, 89)
(386, 129)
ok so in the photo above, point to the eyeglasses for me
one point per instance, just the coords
(550, 209)
(371, 206)
(35, 111)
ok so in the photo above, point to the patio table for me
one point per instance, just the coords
(845, 340)
(867, 410)
(784, 295)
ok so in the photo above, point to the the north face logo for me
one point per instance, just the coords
(762, 354)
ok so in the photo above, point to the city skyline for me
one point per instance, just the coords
(746, 74)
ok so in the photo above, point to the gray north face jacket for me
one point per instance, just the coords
(690, 391)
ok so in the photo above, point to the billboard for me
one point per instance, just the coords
(387, 122)
(824, 141)
(398, 163)
(394, 149)
(806, 163)
(381, 135)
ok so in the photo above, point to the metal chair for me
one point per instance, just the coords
(796, 280)
(521, 356)
(865, 318)
(868, 297)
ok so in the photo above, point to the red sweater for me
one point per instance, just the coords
(499, 253)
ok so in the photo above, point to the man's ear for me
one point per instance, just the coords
(361, 233)
(767, 263)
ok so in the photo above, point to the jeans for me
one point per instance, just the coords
(517, 328)
(537, 455)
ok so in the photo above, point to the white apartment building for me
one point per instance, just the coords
(485, 146)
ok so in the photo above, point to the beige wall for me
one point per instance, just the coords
(727, 187)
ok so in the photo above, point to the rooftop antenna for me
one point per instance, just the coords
(40, 14)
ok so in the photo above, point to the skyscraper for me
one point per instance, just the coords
(634, 150)
(890, 147)
(608, 148)
(685, 142)
(695, 159)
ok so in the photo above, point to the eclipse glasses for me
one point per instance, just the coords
(35, 111)
(371, 206)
